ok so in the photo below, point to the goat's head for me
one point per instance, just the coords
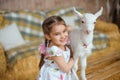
(88, 20)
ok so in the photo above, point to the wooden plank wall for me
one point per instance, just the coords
(88, 5)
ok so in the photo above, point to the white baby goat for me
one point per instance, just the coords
(81, 39)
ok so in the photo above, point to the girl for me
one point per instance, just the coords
(56, 58)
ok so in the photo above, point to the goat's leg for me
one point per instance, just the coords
(83, 67)
(75, 67)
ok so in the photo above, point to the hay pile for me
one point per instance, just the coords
(27, 68)
(2, 62)
(110, 29)
(113, 33)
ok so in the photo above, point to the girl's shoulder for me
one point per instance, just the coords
(55, 48)
(56, 51)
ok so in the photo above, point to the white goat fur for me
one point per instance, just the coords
(81, 39)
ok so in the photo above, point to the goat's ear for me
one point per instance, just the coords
(77, 12)
(99, 13)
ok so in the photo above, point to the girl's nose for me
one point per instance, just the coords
(62, 35)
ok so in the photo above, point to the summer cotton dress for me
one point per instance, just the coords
(51, 71)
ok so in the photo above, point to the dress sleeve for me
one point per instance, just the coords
(55, 51)
(42, 48)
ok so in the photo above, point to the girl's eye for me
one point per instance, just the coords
(56, 34)
(64, 31)
(82, 21)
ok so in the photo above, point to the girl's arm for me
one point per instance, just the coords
(65, 67)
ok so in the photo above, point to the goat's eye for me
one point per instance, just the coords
(82, 21)
(94, 22)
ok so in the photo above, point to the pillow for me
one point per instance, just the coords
(10, 37)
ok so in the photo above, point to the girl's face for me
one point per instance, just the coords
(58, 35)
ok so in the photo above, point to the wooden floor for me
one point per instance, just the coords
(103, 66)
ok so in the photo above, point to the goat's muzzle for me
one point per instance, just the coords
(88, 31)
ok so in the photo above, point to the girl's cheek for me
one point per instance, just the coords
(66, 34)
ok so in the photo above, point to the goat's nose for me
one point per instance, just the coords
(88, 31)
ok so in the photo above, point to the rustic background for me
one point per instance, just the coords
(102, 64)
(109, 13)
